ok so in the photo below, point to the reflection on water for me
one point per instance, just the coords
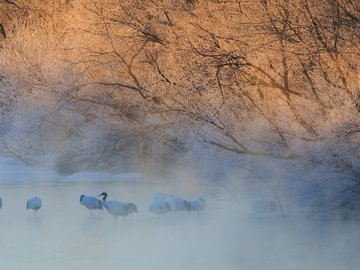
(63, 235)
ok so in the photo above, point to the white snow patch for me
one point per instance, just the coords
(13, 171)
(103, 177)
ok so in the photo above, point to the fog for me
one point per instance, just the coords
(251, 105)
(228, 234)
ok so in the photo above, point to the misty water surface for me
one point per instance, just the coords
(65, 236)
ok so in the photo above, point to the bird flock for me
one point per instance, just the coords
(161, 203)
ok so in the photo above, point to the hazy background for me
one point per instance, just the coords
(240, 102)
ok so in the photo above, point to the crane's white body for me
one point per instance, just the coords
(158, 204)
(115, 208)
(158, 207)
(198, 204)
(118, 208)
(33, 203)
(178, 204)
(91, 203)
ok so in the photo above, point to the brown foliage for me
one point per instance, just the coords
(259, 78)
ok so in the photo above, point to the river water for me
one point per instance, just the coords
(64, 235)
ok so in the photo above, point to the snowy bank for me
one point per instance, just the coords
(13, 171)
(103, 177)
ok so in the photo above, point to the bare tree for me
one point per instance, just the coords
(273, 79)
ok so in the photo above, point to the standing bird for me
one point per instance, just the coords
(91, 202)
(197, 204)
(118, 208)
(178, 204)
(34, 203)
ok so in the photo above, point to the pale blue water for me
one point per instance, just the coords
(64, 235)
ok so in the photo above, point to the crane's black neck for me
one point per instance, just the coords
(104, 196)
